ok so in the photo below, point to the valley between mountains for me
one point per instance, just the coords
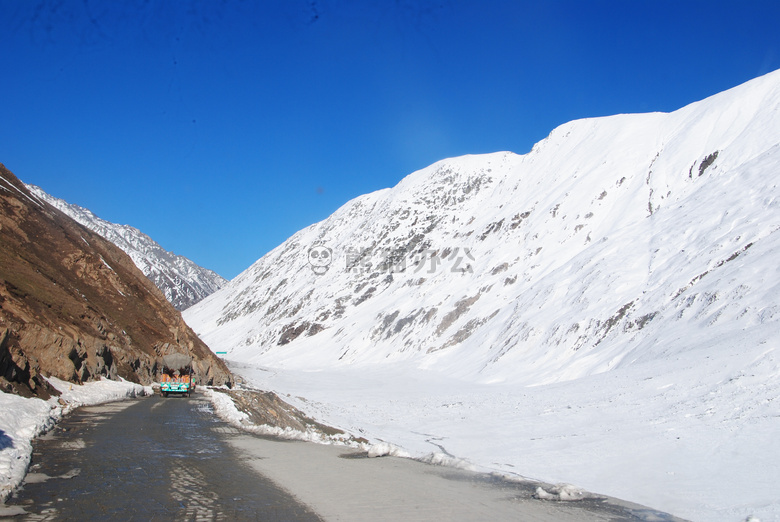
(602, 311)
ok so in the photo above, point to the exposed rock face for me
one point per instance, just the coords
(75, 306)
(182, 281)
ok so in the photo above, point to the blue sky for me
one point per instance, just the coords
(220, 128)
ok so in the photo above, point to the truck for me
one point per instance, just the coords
(177, 375)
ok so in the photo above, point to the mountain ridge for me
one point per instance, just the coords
(183, 282)
(74, 306)
(551, 224)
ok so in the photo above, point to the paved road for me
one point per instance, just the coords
(148, 459)
(172, 459)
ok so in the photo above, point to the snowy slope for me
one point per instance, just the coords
(636, 246)
(183, 282)
(610, 235)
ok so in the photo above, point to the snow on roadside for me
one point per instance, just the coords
(23, 419)
(561, 492)
(695, 436)
(226, 409)
(98, 392)
(385, 449)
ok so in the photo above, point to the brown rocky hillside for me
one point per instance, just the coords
(74, 306)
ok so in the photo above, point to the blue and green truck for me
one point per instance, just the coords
(177, 375)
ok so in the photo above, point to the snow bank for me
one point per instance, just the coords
(21, 421)
(443, 459)
(24, 419)
(226, 409)
(561, 492)
(385, 449)
(437, 458)
(98, 392)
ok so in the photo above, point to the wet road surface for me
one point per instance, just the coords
(147, 459)
(173, 459)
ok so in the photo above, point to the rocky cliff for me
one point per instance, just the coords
(74, 306)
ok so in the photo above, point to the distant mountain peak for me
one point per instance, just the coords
(74, 306)
(183, 282)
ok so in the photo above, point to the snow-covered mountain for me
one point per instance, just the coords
(615, 240)
(183, 282)
(601, 311)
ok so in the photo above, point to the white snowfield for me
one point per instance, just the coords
(23, 419)
(602, 311)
